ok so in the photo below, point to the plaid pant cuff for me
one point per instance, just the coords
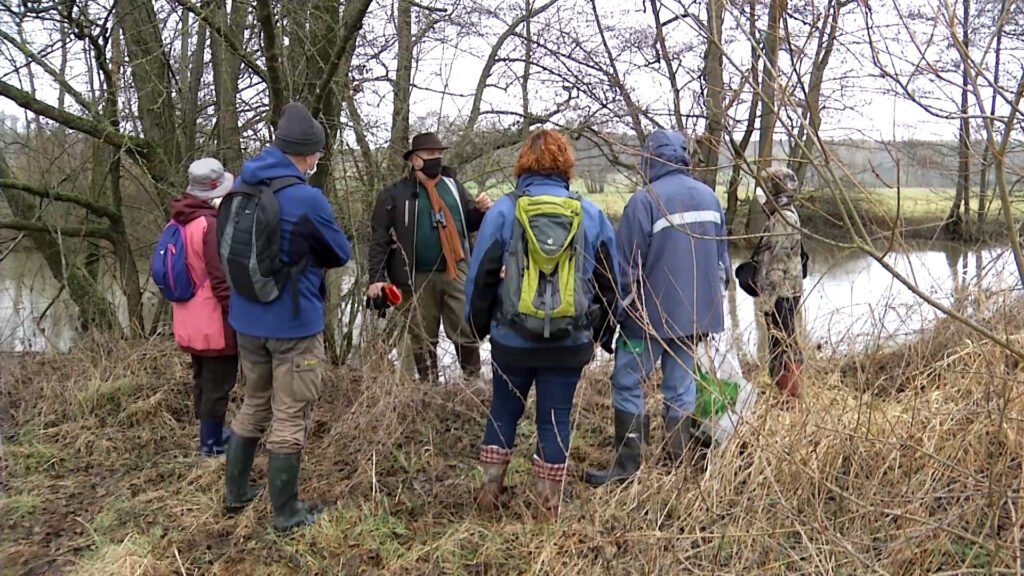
(545, 471)
(495, 455)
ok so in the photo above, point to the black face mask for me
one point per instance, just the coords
(432, 168)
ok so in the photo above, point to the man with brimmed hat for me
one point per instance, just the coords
(280, 341)
(420, 230)
(201, 323)
(779, 277)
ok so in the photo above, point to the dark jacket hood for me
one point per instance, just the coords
(665, 152)
(185, 209)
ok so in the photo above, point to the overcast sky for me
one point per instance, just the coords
(449, 73)
(870, 105)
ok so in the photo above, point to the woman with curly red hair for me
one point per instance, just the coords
(542, 283)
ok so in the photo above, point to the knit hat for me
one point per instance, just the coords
(781, 181)
(298, 133)
(208, 180)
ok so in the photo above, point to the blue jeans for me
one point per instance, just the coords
(556, 388)
(635, 359)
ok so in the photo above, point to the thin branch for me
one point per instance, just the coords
(101, 232)
(229, 40)
(82, 101)
(351, 23)
(58, 196)
(478, 97)
(275, 75)
(133, 144)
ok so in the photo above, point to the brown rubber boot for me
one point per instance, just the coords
(494, 462)
(549, 479)
(788, 381)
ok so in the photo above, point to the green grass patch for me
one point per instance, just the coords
(20, 507)
(31, 453)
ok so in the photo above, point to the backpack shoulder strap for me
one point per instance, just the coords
(276, 184)
(272, 185)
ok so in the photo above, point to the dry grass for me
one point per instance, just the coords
(101, 478)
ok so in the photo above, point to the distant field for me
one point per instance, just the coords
(916, 203)
(920, 203)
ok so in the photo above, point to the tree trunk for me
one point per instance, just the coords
(121, 243)
(151, 72)
(958, 221)
(812, 111)
(739, 151)
(707, 171)
(272, 54)
(670, 70)
(332, 40)
(402, 88)
(226, 69)
(769, 81)
(527, 62)
(191, 77)
(986, 159)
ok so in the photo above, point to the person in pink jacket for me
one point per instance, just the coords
(200, 325)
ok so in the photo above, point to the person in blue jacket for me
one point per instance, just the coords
(281, 345)
(544, 167)
(674, 253)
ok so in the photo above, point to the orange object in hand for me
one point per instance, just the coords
(392, 294)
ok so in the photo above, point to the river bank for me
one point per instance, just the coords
(101, 476)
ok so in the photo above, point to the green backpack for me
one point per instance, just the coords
(544, 292)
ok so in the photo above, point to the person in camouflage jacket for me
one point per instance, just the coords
(780, 278)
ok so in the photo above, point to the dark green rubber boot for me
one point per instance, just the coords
(238, 492)
(289, 512)
(631, 433)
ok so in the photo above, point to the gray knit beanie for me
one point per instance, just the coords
(298, 133)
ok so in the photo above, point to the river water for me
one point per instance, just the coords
(851, 300)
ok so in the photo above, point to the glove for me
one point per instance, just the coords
(380, 304)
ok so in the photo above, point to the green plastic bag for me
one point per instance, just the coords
(714, 395)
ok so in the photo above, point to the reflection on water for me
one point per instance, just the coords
(34, 313)
(850, 300)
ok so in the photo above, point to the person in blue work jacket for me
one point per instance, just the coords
(674, 254)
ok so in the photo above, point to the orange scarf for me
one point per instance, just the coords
(451, 244)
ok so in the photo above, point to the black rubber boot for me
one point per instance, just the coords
(631, 433)
(469, 359)
(289, 511)
(678, 435)
(426, 366)
(238, 492)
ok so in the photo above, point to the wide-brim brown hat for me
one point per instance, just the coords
(425, 141)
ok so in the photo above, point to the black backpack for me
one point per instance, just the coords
(249, 232)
